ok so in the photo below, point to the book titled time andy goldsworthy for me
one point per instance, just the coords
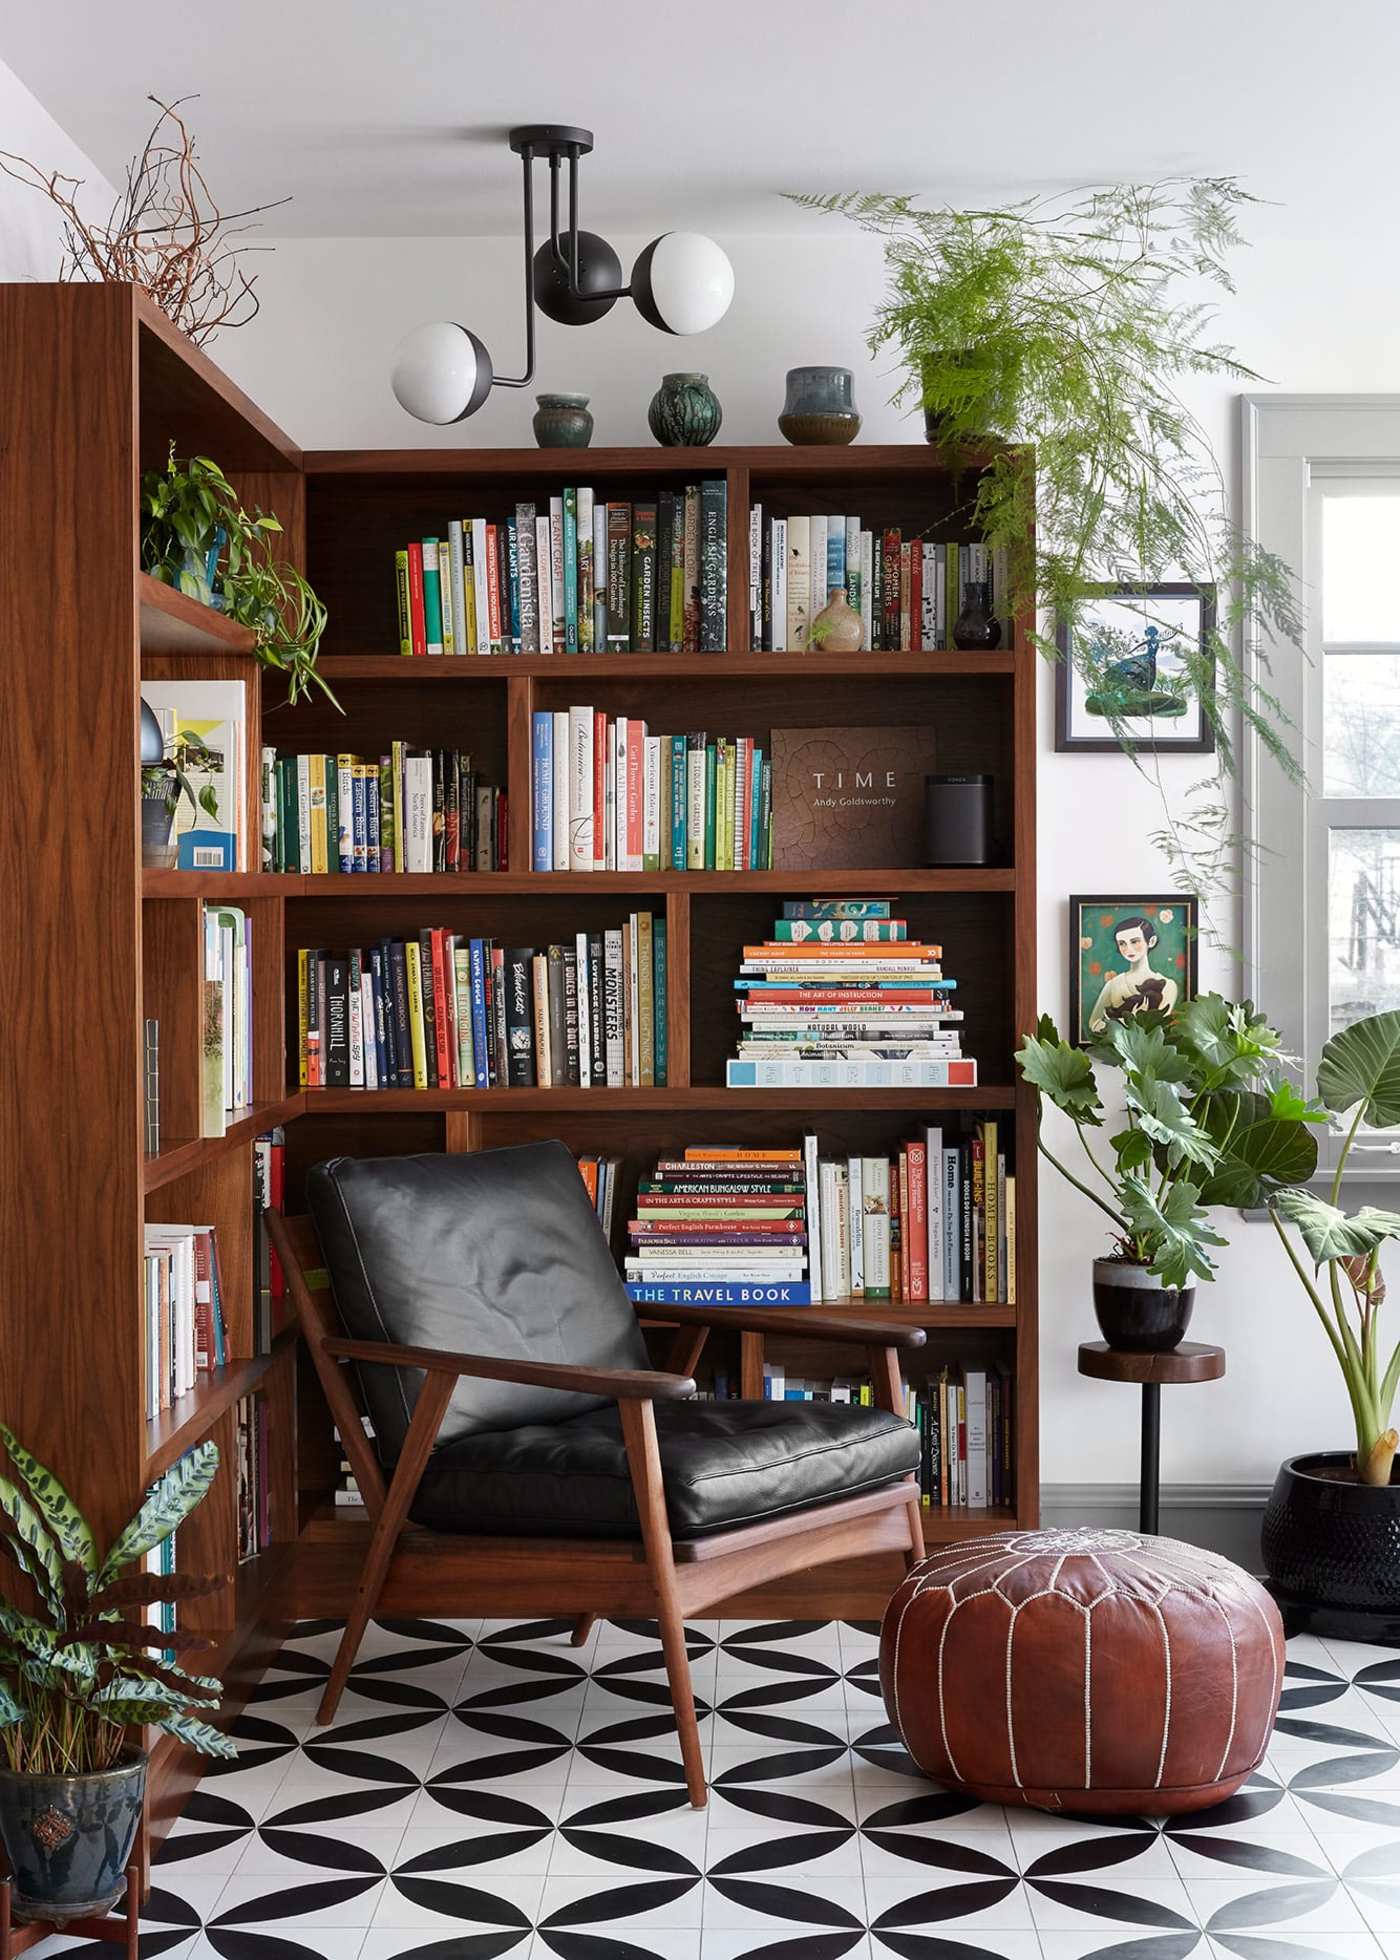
(844, 798)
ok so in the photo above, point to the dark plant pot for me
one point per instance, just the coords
(562, 422)
(819, 406)
(68, 1838)
(157, 822)
(976, 628)
(1136, 1312)
(684, 413)
(1331, 1546)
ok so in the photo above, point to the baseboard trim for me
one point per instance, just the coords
(1222, 1518)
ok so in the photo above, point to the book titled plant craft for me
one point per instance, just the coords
(844, 798)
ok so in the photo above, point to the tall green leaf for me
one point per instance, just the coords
(1174, 1233)
(1362, 1065)
(1164, 1118)
(1259, 1150)
(1142, 1045)
(1329, 1233)
(32, 1545)
(1229, 1040)
(167, 1505)
(199, 1735)
(10, 1710)
(1064, 1074)
(49, 1497)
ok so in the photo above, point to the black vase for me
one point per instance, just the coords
(1331, 1548)
(68, 1838)
(976, 627)
(1136, 1312)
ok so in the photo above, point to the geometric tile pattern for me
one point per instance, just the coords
(487, 1790)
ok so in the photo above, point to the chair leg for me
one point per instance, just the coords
(433, 1399)
(644, 1461)
(583, 1626)
(916, 1530)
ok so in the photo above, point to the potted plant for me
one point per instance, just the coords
(197, 536)
(162, 786)
(1047, 341)
(1209, 1120)
(1332, 1524)
(82, 1675)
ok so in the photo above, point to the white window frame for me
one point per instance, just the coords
(1290, 444)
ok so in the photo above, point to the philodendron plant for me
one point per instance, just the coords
(1209, 1120)
(83, 1670)
(1358, 1078)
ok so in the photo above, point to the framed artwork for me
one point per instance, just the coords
(1135, 636)
(1128, 954)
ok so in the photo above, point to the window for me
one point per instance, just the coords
(1322, 885)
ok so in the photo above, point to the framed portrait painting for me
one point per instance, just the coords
(1128, 955)
(1127, 658)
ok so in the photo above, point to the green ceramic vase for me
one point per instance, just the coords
(685, 412)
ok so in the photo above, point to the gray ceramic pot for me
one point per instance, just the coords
(819, 406)
(68, 1838)
(562, 422)
(1136, 1312)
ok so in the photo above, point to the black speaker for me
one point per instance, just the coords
(958, 819)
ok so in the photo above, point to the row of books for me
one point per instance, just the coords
(600, 1179)
(183, 1332)
(441, 1010)
(735, 1225)
(254, 1510)
(410, 809)
(226, 1079)
(584, 576)
(907, 590)
(844, 1012)
(270, 1311)
(608, 795)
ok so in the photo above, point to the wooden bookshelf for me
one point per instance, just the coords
(99, 386)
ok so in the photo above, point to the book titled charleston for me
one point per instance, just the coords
(721, 1293)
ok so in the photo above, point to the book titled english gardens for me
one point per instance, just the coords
(848, 798)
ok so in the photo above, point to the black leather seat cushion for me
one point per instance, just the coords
(723, 1463)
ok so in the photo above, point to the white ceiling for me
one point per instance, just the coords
(388, 120)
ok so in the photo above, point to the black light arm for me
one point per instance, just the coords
(569, 266)
(524, 380)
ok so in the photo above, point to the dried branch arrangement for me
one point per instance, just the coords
(165, 233)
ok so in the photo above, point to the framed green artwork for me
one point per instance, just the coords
(1129, 954)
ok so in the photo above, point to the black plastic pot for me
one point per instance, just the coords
(157, 822)
(1136, 1312)
(1331, 1547)
(68, 1838)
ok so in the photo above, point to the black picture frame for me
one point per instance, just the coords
(1127, 903)
(1067, 742)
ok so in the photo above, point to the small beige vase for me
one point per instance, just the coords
(836, 628)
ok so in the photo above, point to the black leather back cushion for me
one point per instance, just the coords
(488, 1252)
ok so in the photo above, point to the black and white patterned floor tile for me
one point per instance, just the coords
(487, 1789)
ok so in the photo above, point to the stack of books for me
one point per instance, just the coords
(183, 1329)
(407, 810)
(254, 1509)
(721, 1225)
(579, 576)
(907, 590)
(600, 1178)
(608, 795)
(440, 1010)
(226, 1082)
(844, 1012)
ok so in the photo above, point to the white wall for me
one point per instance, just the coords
(1314, 312)
(30, 229)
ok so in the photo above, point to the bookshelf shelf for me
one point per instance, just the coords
(172, 623)
(217, 884)
(522, 884)
(668, 666)
(188, 1420)
(192, 1154)
(604, 1102)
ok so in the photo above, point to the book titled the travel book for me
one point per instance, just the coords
(721, 1226)
(867, 1013)
(844, 798)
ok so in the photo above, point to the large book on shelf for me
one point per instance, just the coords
(99, 385)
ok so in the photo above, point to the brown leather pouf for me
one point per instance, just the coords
(1083, 1670)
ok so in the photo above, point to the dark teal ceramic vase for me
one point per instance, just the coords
(685, 412)
(68, 1838)
(562, 422)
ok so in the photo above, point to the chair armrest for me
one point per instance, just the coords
(856, 1331)
(622, 1384)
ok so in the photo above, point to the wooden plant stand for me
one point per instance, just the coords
(120, 1928)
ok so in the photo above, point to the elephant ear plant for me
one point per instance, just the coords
(1358, 1076)
(1209, 1120)
(84, 1669)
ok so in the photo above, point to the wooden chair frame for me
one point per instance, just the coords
(655, 1577)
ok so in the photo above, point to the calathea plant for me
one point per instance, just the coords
(1209, 1120)
(1358, 1078)
(85, 1668)
(1046, 341)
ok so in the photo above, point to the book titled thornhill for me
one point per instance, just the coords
(847, 798)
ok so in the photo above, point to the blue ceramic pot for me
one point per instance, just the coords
(684, 413)
(819, 406)
(68, 1838)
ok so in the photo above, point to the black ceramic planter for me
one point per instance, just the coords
(1331, 1548)
(68, 1838)
(1136, 1312)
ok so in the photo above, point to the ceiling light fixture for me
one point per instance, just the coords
(682, 283)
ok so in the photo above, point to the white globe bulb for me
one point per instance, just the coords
(441, 373)
(683, 282)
